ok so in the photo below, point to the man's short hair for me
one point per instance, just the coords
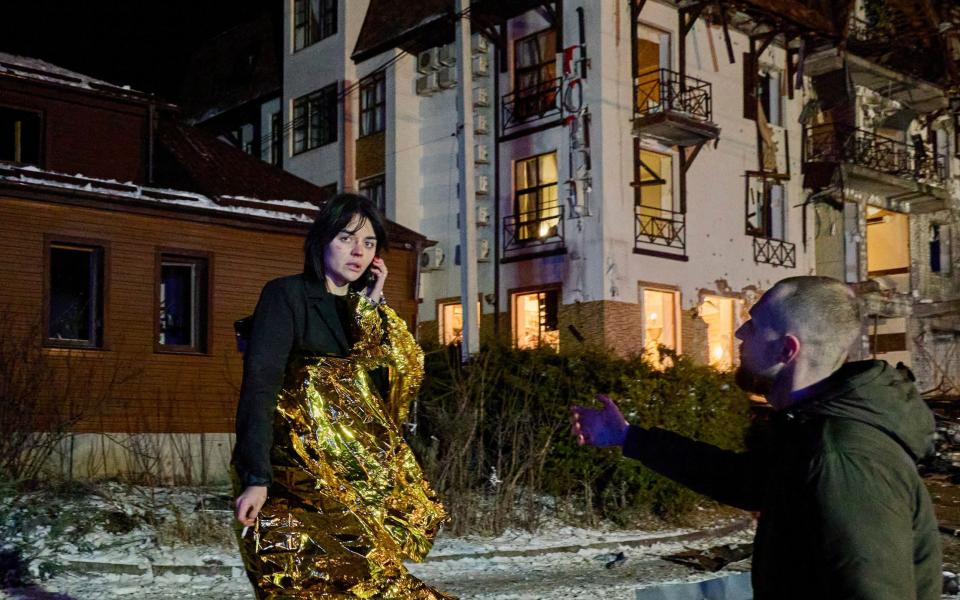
(822, 312)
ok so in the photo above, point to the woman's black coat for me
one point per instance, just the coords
(295, 316)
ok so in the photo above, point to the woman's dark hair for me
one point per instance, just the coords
(333, 218)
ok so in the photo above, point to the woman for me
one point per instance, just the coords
(332, 498)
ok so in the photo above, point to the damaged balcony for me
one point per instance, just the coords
(673, 109)
(660, 232)
(533, 234)
(911, 174)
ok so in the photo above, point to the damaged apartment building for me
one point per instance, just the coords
(644, 169)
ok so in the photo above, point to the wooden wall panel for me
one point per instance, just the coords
(161, 392)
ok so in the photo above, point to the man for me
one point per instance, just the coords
(843, 511)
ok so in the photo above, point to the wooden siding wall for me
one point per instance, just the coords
(164, 392)
(74, 122)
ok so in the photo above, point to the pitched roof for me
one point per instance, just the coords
(384, 27)
(25, 67)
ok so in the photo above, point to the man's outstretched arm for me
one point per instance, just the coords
(734, 478)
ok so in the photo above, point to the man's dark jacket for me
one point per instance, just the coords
(843, 511)
(295, 316)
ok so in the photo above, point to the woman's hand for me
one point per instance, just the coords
(249, 504)
(379, 271)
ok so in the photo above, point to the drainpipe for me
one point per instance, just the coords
(496, 190)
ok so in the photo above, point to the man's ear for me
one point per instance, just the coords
(790, 349)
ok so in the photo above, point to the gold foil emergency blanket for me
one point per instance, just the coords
(349, 502)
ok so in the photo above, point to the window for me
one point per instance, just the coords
(315, 119)
(373, 106)
(766, 209)
(374, 189)
(652, 54)
(888, 244)
(19, 136)
(660, 308)
(940, 248)
(719, 314)
(75, 295)
(242, 137)
(182, 303)
(535, 319)
(276, 138)
(537, 208)
(768, 94)
(535, 70)
(313, 20)
(450, 316)
(654, 182)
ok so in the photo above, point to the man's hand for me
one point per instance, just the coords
(249, 504)
(603, 427)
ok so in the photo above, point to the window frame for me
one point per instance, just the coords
(328, 93)
(676, 310)
(539, 188)
(538, 68)
(203, 346)
(735, 322)
(767, 226)
(103, 308)
(41, 135)
(527, 290)
(300, 13)
(441, 303)
(375, 182)
(377, 82)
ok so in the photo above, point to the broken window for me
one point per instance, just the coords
(766, 208)
(535, 319)
(373, 108)
(183, 303)
(536, 203)
(75, 295)
(315, 119)
(888, 243)
(720, 315)
(769, 96)
(660, 324)
(313, 20)
(20, 136)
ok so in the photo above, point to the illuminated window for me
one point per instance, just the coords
(538, 211)
(719, 313)
(659, 322)
(654, 187)
(535, 320)
(450, 315)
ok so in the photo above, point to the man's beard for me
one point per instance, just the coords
(752, 382)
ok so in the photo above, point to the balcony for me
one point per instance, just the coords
(912, 174)
(533, 234)
(531, 105)
(879, 59)
(660, 232)
(674, 110)
(774, 252)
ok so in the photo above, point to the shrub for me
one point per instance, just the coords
(496, 432)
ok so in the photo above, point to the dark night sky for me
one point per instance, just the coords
(139, 43)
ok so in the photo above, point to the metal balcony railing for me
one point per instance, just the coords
(533, 231)
(836, 144)
(531, 104)
(660, 227)
(663, 90)
(774, 252)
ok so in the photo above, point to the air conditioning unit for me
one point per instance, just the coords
(480, 44)
(481, 154)
(428, 84)
(447, 55)
(432, 258)
(481, 96)
(428, 61)
(447, 77)
(483, 215)
(483, 250)
(480, 123)
(483, 184)
(481, 66)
